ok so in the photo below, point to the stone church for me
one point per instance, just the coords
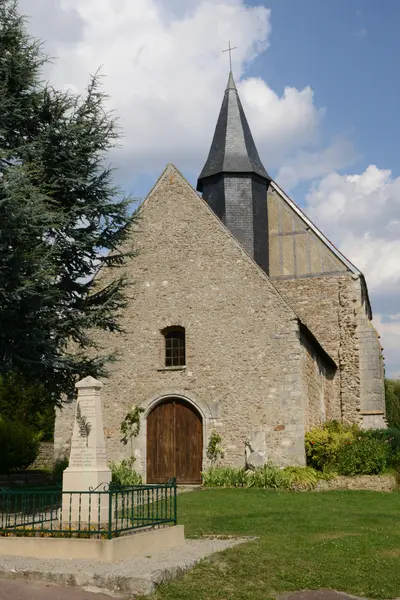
(242, 318)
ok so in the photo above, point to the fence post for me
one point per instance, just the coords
(110, 513)
(175, 509)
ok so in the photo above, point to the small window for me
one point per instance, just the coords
(175, 352)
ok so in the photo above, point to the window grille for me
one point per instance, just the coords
(175, 351)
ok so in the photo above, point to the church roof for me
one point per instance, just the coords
(352, 268)
(233, 149)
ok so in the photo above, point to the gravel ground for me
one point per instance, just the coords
(139, 575)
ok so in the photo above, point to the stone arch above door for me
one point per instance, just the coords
(174, 442)
(209, 411)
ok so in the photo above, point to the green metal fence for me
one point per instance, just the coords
(105, 512)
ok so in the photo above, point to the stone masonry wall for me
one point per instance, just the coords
(45, 457)
(373, 483)
(334, 310)
(371, 375)
(349, 354)
(318, 381)
(316, 301)
(63, 430)
(244, 363)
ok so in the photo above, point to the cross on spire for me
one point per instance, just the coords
(230, 55)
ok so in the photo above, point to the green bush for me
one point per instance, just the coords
(225, 477)
(392, 396)
(19, 446)
(394, 460)
(28, 404)
(268, 477)
(391, 436)
(390, 439)
(324, 443)
(365, 455)
(59, 469)
(123, 473)
(303, 478)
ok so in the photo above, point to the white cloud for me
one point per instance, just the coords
(390, 339)
(283, 125)
(165, 73)
(306, 165)
(361, 215)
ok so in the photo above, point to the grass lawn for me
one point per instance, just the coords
(348, 541)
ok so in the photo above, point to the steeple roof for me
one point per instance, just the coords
(233, 149)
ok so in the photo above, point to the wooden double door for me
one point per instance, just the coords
(174, 442)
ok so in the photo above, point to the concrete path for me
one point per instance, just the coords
(139, 575)
(19, 589)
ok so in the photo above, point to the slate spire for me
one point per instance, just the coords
(234, 181)
(233, 149)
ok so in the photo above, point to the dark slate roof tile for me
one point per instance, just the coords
(233, 149)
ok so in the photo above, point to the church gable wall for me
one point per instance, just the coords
(243, 351)
(294, 249)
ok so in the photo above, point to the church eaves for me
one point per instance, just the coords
(233, 149)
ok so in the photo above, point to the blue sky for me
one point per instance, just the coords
(348, 51)
(320, 84)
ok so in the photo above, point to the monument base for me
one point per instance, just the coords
(81, 479)
(140, 543)
(86, 507)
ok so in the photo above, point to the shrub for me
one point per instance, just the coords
(19, 446)
(225, 477)
(214, 448)
(302, 478)
(28, 404)
(324, 443)
(394, 459)
(123, 473)
(59, 469)
(392, 397)
(364, 455)
(390, 438)
(268, 477)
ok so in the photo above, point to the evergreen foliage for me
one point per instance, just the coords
(27, 404)
(19, 446)
(61, 219)
(392, 396)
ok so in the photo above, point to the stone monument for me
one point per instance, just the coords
(87, 470)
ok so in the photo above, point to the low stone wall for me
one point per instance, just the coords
(375, 483)
(26, 478)
(45, 457)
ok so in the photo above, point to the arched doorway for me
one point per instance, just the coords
(174, 442)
